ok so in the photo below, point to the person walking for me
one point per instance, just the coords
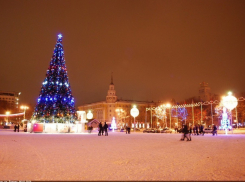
(18, 127)
(129, 129)
(194, 130)
(100, 129)
(214, 130)
(185, 134)
(105, 129)
(201, 130)
(126, 128)
(190, 130)
(197, 128)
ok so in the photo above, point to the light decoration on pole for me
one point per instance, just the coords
(89, 115)
(121, 114)
(160, 112)
(134, 112)
(230, 102)
(113, 124)
(24, 108)
(7, 113)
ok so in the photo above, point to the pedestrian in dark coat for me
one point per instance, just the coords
(129, 129)
(194, 130)
(126, 128)
(201, 130)
(100, 128)
(197, 128)
(214, 130)
(185, 134)
(18, 127)
(190, 130)
(15, 127)
(105, 129)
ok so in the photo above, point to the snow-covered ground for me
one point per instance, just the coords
(120, 156)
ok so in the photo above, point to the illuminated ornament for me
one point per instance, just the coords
(89, 115)
(134, 111)
(113, 124)
(230, 102)
(182, 112)
(60, 36)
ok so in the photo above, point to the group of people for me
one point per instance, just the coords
(195, 130)
(16, 127)
(103, 129)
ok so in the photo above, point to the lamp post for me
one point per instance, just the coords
(169, 106)
(90, 116)
(134, 112)
(7, 113)
(24, 108)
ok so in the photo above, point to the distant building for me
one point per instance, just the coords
(104, 111)
(12, 98)
(205, 93)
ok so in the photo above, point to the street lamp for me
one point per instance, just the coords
(7, 113)
(134, 112)
(24, 108)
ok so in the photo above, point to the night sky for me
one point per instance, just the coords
(157, 50)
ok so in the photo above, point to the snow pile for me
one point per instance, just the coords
(135, 156)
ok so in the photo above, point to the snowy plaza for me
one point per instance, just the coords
(120, 156)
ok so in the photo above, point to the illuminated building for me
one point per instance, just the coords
(104, 111)
(12, 98)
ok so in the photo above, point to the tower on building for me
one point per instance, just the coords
(111, 94)
(204, 92)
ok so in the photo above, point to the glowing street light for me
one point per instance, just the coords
(24, 108)
(7, 113)
(134, 112)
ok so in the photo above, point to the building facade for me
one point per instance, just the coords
(12, 99)
(104, 111)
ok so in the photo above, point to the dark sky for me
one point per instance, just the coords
(157, 50)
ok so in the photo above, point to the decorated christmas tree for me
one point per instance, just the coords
(55, 99)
